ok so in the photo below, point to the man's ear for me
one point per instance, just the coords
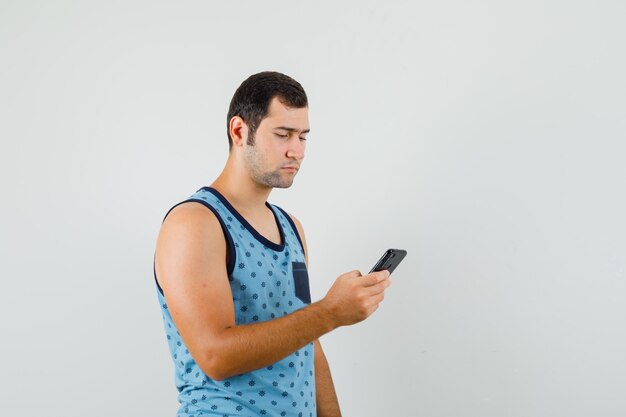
(238, 131)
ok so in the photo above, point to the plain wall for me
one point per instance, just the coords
(486, 138)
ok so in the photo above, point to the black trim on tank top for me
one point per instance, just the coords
(230, 247)
(293, 226)
(265, 241)
(155, 278)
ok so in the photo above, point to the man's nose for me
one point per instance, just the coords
(296, 149)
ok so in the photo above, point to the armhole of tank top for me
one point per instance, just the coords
(230, 246)
(293, 226)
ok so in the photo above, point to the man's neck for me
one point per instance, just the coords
(240, 191)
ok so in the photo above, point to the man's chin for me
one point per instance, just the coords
(276, 184)
(284, 185)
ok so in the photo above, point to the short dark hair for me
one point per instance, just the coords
(252, 99)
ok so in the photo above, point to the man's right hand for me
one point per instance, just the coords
(354, 297)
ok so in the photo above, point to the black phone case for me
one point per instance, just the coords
(390, 260)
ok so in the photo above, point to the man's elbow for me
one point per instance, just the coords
(215, 366)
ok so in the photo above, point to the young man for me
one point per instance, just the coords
(232, 278)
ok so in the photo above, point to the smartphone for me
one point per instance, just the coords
(390, 260)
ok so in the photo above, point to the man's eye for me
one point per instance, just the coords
(302, 138)
(282, 136)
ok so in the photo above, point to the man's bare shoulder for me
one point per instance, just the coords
(192, 231)
(191, 215)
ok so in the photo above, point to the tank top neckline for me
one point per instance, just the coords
(262, 239)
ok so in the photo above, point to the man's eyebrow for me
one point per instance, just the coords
(292, 129)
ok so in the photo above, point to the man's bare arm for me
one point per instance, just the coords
(191, 269)
(326, 397)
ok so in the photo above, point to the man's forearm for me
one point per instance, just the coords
(247, 347)
(326, 397)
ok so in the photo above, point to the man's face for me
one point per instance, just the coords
(279, 142)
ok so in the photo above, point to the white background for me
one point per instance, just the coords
(484, 137)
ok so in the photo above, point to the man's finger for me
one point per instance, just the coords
(376, 277)
(355, 273)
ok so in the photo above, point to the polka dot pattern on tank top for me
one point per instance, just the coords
(263, 288)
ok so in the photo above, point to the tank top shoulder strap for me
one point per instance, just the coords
(207, 199)
(291, 231)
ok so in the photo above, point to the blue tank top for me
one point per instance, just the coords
(268, 281)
